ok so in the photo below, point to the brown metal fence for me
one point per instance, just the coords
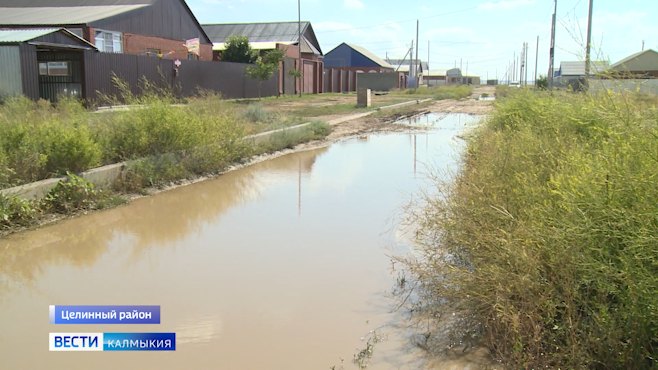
(226, 78)
(339, 80)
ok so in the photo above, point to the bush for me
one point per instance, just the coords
(544, 246)
(542, 82)
(452, 92)
(39, 141)
(256, 113)
(72, 194)
(15, 211)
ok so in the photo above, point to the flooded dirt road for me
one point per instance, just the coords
(280, 265)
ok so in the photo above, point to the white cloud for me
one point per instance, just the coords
(505, 4)
(353, 4)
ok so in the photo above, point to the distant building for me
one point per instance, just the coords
(356, 58)
(454, 76)
(404, 65)
(266, 36)
(434, 77)
(569, 73)
(637, 66)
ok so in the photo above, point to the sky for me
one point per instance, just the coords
(481, 36)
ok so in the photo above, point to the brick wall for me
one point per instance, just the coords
(138, 44)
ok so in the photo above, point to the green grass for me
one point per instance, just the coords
(438, 92)
(544, 247)
(317, 130)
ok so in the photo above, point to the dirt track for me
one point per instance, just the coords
(370, 124)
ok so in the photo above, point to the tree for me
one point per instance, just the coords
(297, 74)
(238, 50)
(265, 67)
(542, 82)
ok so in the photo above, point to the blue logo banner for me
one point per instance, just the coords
(112, 342)
(139, 341)
(104, 314)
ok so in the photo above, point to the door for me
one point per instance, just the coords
(309, 77)
(60, 74)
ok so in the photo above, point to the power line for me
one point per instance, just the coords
(406, 21)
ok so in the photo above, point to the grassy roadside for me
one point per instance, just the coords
(544, 247)
(159, 142)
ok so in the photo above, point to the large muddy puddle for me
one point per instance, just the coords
(281, 265)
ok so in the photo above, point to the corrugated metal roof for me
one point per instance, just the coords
(68, 3)
(307, 47)
(578, 68)
(25, 35)
(629, 58)
(436, 72)
(407, 62)
(61, 15)
(7, 36)
(366, 53)
(254, 45)
(256, 32)
(262, 34)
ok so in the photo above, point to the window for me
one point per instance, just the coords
(54, 69)
(109, 42)
(192, 56)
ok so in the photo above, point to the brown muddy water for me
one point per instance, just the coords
(280, 265)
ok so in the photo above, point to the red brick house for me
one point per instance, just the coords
(162, 28)
(277, 35)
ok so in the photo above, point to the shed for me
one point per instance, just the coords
(42, 63)
(436, 77)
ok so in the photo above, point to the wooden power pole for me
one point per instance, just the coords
(536, 58)
(551, 60)
(588, 57)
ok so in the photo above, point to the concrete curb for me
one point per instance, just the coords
(105, 176)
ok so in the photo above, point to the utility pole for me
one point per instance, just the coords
(551, 60)
(428, 54)
(642, 45)
(299, 44)
(536, 58)
(522, 64)
(416, 65)
(525, 77)
(411, 61)
(588, 57)
(514, 68)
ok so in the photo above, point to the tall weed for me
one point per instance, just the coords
(544, 246)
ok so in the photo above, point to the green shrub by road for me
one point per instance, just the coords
(544, 247)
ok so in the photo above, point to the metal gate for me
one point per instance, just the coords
(60, 74)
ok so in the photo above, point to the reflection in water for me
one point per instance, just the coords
(199, 330)
(163, 218)
(440, 120)
(245, 278)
